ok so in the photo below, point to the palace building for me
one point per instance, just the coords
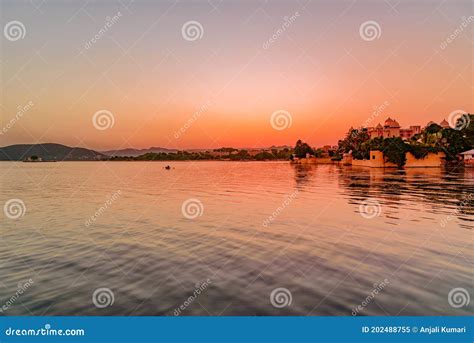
(391, 128)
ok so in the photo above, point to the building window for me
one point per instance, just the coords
(373, 157)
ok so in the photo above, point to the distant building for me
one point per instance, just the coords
(444, 124)
(391, 128)
(33, 159)
(468, 157)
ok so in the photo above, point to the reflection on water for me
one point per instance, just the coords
(317, 244)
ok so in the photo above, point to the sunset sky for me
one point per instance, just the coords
(142, 70)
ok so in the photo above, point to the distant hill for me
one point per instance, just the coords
(136, 152)
(48, 152)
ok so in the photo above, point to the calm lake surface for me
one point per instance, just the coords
(262, 226)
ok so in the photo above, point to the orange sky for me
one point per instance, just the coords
(318, 68)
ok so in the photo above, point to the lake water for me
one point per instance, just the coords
(322, 239)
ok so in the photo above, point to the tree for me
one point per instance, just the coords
(453, 143)
(433, 128)
(301, 149)
(394, 151)
(319, 152)
(354, 140)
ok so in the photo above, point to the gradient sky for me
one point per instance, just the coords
(320, 70)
